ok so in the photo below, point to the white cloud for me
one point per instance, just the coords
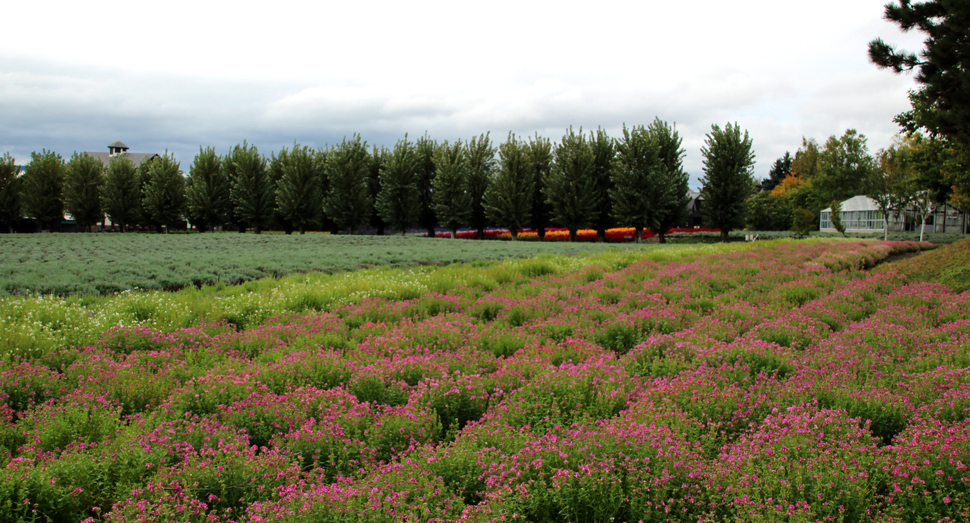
(213, 73)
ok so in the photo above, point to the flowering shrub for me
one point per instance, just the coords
(775, 382)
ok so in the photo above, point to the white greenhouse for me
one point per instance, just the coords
(862, 214)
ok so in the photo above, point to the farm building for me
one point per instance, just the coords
(862, 214)
(117, 149)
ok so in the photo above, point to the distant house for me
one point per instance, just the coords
(117, 149)
(695, 211)
(862, 214)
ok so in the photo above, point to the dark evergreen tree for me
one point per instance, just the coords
(253, 194)
(43, 189)
(207, 191)
(670, 195)
(942, 104)
(378, 162)
(508, 200)
(452, 201)
(571, 194)
(349, 202)
(426, 173)
(83, 181)
(635, 173)
(164, 197)
(778, 172)
(122, 192)
(10, 185)
(480, 159)
(398, 199)
(604, 153)
(540, 157)
(728, 178)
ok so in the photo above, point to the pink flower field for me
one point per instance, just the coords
(781, 383)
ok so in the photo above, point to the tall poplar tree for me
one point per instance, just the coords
(635, 174)
(480, 158)
(426, 173)
(573, 199)
(83, 180)
(299, 198)
(253, 194)
(728, 178)
(164, 197)
(276, 166)
(670, 195)
(398, 200)
(540, 157)
(508, 200)
(10, 184)
(122, 194)
(604, 153)
(348, 202)
(43, 185)
(378, 162)
(452, 201)
(207, 190)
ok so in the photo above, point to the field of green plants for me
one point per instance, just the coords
(770, 381)
(76, 263)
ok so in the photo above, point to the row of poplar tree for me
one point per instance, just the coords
(584, 180)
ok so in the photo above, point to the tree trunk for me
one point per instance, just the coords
(302, 229)
(481, 233)
(662, 238)
(514, 232)
(431, 232)
(454, 234)
(380, 231)
(600, 235)
(541, 232)
(724, 235)
(257, 230)
(572, 234)
(637, 234)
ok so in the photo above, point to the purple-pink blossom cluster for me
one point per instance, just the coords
(782, 383)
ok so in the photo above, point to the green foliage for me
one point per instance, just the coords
(426, 171)
(298, 195)
(207, 191)
(942, 104)
(480, 158)
(452, 201)
(728, 177)
(10, 186)
(164, 197)
(768, 213)
(604, 154)
(891, 185)
(805, 163)
(571, 189)
(836, 217)
(778, 172)
(508, 200)
(540, 157)
(43, 185)
(378, 162)
(122, 195)
(635, 173)
(253, 193)
(349, 201)
(845, 167)
(83, 181)
(669, 205)
(398, 200)
(803, 222)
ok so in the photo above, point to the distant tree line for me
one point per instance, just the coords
(584, 180)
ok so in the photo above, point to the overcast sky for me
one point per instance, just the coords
(179, 74)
